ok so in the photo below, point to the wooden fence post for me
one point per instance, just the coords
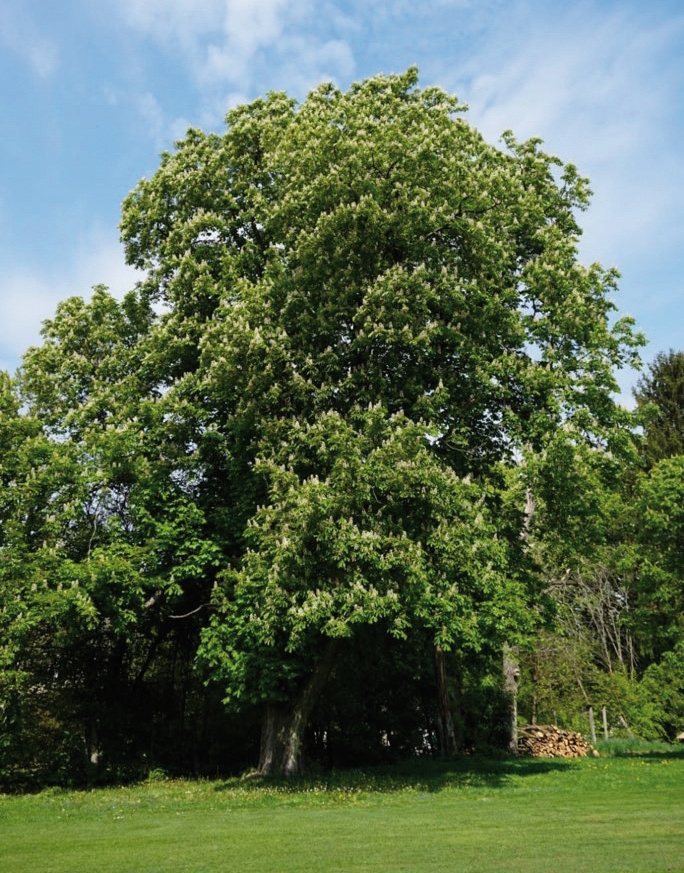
(592, 726)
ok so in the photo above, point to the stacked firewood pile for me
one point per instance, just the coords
(549, 741)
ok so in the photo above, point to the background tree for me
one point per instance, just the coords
(102, 544)
(582, 533)
(660, 396)
(613, 560)
(659, 557)
(658, 524)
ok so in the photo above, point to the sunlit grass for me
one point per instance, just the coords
(626, 746)
(620, 813)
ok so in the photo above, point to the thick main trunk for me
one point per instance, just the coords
(448, 744)
(283, 724)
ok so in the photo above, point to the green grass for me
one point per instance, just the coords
(619, 813)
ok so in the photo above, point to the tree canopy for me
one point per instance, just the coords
(362, 333)
(375, 313)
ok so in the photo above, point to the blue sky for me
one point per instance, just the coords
(93, 90)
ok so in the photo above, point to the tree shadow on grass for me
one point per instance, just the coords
(675, 753)
(427, 776)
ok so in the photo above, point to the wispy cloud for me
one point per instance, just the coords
(306, 63)
(599, 80)
(602, 86)
(235, 48)
(247, 27)
(28, 297)
(19, 35)
(152, 114)
(173, 20)
(598, 89)
(217, 38)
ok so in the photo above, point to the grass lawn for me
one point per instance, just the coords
(623, 813)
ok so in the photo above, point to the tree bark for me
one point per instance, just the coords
(93, 745)
(445, 723)
(535, 683)
(283, 724)
(511, 672)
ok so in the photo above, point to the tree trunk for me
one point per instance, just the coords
(283, 724)
(93, 745)
(535, 683)
(511, 677)
(445, 722)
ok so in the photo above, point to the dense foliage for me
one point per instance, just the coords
(660, 395)
(334, 453)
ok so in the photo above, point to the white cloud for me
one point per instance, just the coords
(576, 68)
(28, 297)
(18, 34)
(43, 57)
(99, 259)
(25, 301)
(173, 19)
(228, 45)
(603, 89)
(217, 38)
(598, 89)
(305, 64)
(249, 24)
(222, 42)
(153, 115)
(215, 107)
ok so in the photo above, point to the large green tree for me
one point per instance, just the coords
(371, 315)
(363, 334)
